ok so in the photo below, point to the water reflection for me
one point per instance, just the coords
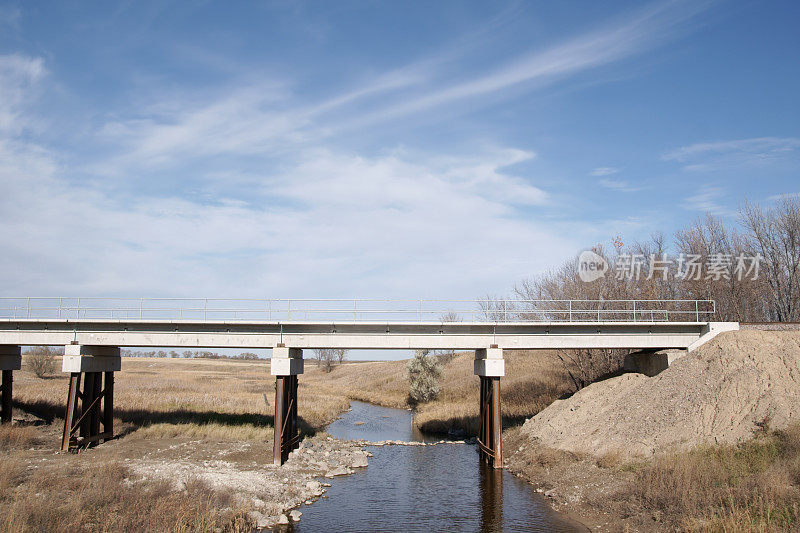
(491, 485)
(423, 488)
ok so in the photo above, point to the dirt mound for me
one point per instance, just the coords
(722, 392)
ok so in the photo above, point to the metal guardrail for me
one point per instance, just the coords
(357, 310)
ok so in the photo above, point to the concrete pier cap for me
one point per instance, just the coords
(286, 361)
(489, 362)
(87, 358)
(10, 357)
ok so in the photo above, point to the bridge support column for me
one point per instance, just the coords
(93, 405)
(10, 360)
(490, 367)
(286, 364)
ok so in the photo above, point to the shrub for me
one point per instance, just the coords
(42, 361)
(423, 376)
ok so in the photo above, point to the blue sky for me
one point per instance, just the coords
(375, 149)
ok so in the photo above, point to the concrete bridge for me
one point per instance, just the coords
(92, 331)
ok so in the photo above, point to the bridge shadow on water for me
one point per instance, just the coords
(133, 419)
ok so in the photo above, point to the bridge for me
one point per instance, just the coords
(93, 330)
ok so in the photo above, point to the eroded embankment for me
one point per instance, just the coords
(721, 393)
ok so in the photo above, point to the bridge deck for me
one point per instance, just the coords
(356, 334)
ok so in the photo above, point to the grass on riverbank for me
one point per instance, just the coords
(76, 495)
(753, 486)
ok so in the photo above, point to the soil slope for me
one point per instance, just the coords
(722, 392)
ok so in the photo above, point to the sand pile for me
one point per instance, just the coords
(721, 392)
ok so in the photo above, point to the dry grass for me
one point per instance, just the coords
(76, 496)
(215, 399)
(754, 486)
(15, 438)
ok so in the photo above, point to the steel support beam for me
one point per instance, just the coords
(490, 367)
(92, 405)
(285, 365)
(10, 360)
(490, 433)
(6, 387)
(286, 436)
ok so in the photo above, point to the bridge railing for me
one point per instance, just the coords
(356, 310)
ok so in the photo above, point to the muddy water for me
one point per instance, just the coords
(422, 488)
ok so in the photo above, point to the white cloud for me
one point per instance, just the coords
(265, 118)
(604, 171)
(618, 185)
(641, 31)
(10, 17)
(18, 78)
(332, 224)
(707, 199)
(713, 156)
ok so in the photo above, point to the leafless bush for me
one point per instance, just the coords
(42, 361)
(326, 358)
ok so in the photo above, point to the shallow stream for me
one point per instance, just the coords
(442, 487)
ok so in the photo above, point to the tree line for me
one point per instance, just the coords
(750, 268)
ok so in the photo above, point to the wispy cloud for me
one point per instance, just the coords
(19, 76)
(265, 118)
(604, 171)
(639, 32)
(10, 17)
(351, 224)
(712, 156)
(708, 200)
(618, 185)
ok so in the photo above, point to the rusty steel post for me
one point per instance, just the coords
(6, 388)
(290, 437)
(277, 451)
(497, 425)
(96, 408)
(481, 420)
(72, 408)
(87, 398)
(108, 404)
(490, 440)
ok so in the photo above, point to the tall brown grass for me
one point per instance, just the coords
(78, 495)
(753, 486)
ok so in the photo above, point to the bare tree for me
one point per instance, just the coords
(326, 358)
(775, 235)
(445, 356)
(340, 354)
(497, 309)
